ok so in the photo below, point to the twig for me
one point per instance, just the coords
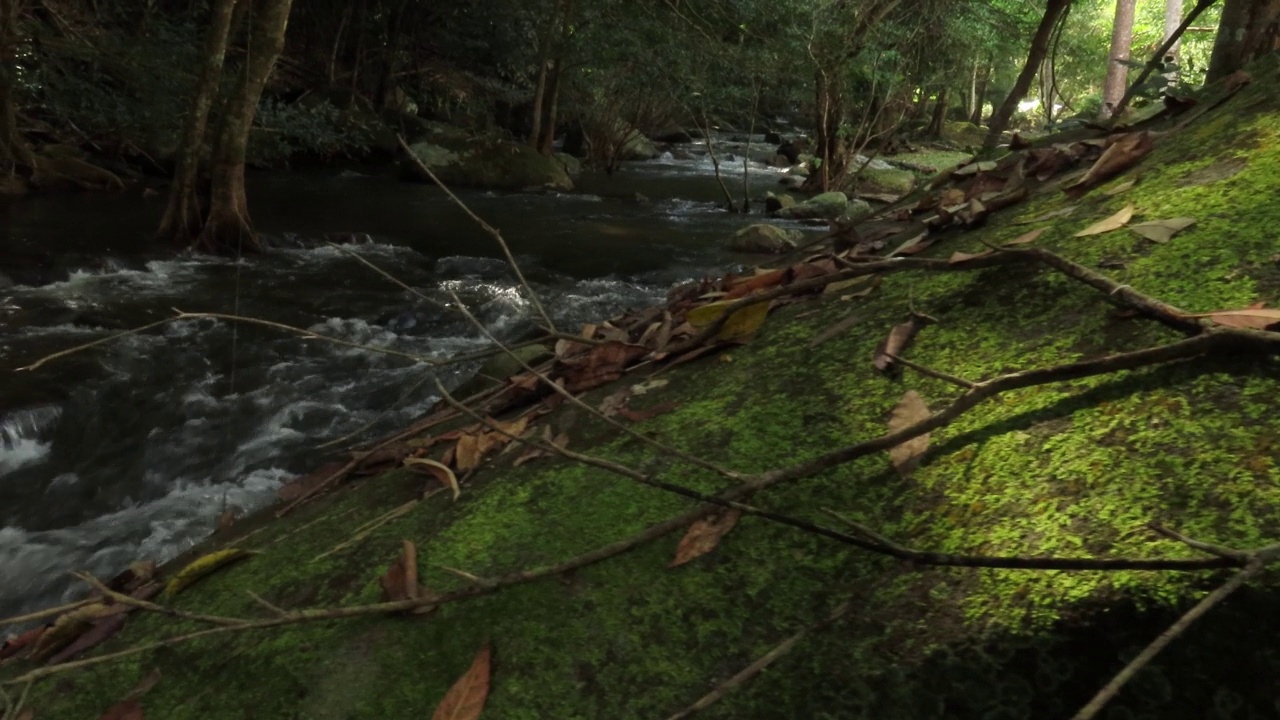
(1089, 711)
(46, 613)
(123, 599)
(938, 374)
(94, 343)
(757, 667)
(1217, 550)
(365, 530)
(491, 230)
(275, 609)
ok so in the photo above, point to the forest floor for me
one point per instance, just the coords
(940, 473)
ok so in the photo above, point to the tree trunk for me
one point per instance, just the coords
(980, 94)
(1121, 42)
(1249, 29)
(14, 152)
(228, 227)
(546, 144)
(939, 119)
(1172, 19)
(182, 219)
(1053, 12)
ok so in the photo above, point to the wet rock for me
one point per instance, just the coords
(826, 205)
(774, 203)
(773, 138)
(763, 238)
(673, 136)
(488, 163)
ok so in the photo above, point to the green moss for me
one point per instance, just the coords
(1072, 469)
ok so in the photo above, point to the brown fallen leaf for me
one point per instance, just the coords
(125, 710)
(466, 454)
(400, 581)
(1254, 318)
(1115, 222)
(908, 246)
(704, 535)
(906, 456)
(1162, 231)
(950, 196)
(1027, 238)
(68, 627)
(603, 364)
(1122, 187)
(465, 700)
(899, 338)
(959, 257)
(1237, 80)
(15, 645)
(746, 286)
(1121, 155)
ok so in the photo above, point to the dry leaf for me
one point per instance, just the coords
(203, 566)
(746, 286)
(604, 364)
(704, 535)
(910, 410)
(646, 386)
(1027, 238)
(400, 582)
(439, 470)
(1121, 155)
(15, 645)
(1237, 80)
(1248, 319)
(466, 454)
(959, 257)
(68, 627)
(1122, 187)
(1115, 222)
(899, 338)
(1162, 231)
(465, 700)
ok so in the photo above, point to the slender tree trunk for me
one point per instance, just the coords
(980, 94)
(14, 152)
(1172, 19)
(182, 219)
(1121, 43)
(337, 44)
(1035, 57)
(1249, 29)
(546, 144)
(228, 227)
(939, 119)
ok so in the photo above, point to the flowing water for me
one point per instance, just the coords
(131, 449)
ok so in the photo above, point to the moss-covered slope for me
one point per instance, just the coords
(1076, 468)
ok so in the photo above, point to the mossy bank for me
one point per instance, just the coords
(1077, 468)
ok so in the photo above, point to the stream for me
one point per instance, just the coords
(131, 449)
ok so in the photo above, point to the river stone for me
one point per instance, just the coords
(826, 205)
(858, 209)
(774, 203)
(763, 238)
(501, 367)
(488, 163)
(889, 182)
(571, 164)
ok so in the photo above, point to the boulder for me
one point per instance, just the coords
(828, 205)
(773, 138)
(780, 161)
(857, 210)
(889, 181)
(571, 164)
(763, 238)
(791, 181)
(488, 163)
(774, 203)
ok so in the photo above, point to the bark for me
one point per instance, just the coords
(980, 94)
(546, 144)
(228, 227)
(1121, 43)
(182, 219)
(1249, 29)
(1035, 57)
(938, 121)
(1172, 19)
